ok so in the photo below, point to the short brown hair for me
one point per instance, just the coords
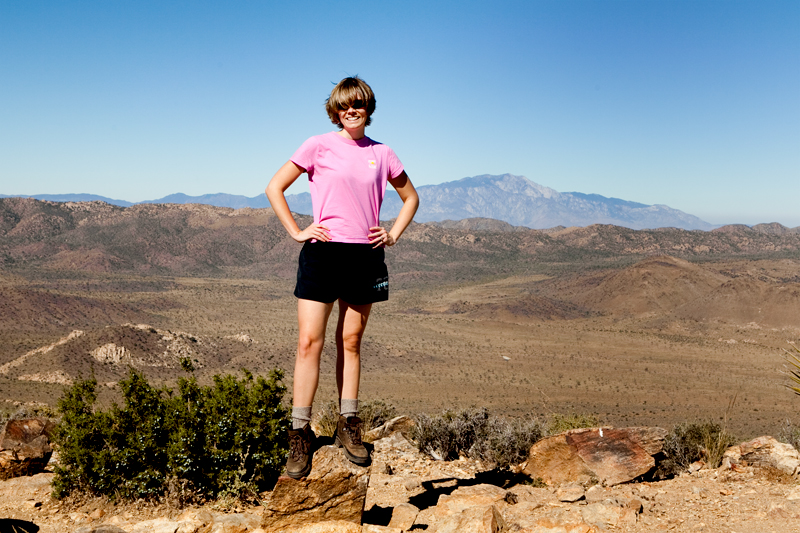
(346, 92)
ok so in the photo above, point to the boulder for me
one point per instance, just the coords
(403, 424)
(483, 519)
(571, 492)
(403, 516)
(395, 442)
(462, 498)
(335, 489)
(25, 447)
(606, 455)
(763, 452)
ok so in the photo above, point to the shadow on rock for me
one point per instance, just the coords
(11, 525)
(379, 516)
(435, 488)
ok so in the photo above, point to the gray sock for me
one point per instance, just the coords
(348, 408)
(300, 417)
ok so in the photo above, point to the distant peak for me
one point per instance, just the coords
(507, 183)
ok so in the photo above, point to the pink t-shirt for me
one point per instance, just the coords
(347, 180)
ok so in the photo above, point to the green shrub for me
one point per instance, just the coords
(687, 443)
(373, 413)
(497, 441)
(228, 438)
(559, 423)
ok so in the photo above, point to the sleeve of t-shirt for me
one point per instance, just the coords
(393, 163)
(306, 154)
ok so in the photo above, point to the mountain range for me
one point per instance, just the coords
(515, 200)
(195, 239)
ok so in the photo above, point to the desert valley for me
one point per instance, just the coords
(637, 327)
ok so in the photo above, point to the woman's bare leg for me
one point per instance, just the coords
(312, 319)
(349, 331)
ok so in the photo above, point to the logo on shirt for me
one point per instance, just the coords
(372, 163)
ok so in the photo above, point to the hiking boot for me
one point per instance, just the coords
(348, 437)
(301, 442)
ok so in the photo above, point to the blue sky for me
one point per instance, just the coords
(692, 104)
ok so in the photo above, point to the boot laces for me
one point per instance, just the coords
(354, 431)
(298, 447)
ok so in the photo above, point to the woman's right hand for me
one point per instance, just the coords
(314, 231)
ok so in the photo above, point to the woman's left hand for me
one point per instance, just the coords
(379, 236)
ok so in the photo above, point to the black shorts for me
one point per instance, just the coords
(354, 272)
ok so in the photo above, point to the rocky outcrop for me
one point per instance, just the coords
(336, 489)
(456, 496)
(596, 455)
(402, 423)
(25, 447)
(763, 452)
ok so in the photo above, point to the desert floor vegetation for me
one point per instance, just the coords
(516, 345)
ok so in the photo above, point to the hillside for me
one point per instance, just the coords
(658, 284)
(108, 354)
(631, 325)
(200, 239)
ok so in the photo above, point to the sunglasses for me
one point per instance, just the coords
(355, 104)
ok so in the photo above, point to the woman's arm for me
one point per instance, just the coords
(408, 194)
(281, 181)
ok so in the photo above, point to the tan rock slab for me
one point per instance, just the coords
(535, 495)
(463, 498)
(395, 442)
(485, 519)
(403, 516)
(330, 526)
(571, 492)
(336, 489)
(370, 528)
(234, 523)
(540, 517)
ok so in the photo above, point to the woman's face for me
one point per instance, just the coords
(354, 118)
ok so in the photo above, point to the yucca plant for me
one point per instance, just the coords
(794, 360)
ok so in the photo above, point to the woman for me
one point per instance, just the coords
(342, 259)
